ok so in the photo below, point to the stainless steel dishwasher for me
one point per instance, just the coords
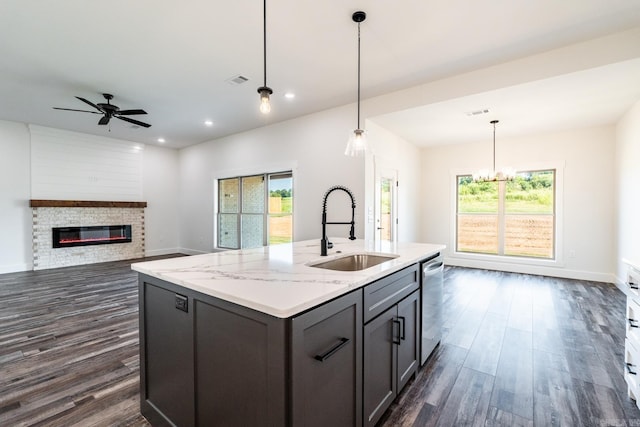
(431, 292)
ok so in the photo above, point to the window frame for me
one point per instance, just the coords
(488, 259)
(265, 215)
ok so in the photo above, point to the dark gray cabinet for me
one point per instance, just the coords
(390, 340)
(326, 364)
(166, 382)
(208, 362)
(239, 366)
(408, 346)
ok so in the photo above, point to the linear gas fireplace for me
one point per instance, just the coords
(64, 237)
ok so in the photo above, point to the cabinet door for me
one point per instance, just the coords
(235, 366)
(408, 348)
(326, 377)
(166, 344)
(380, 375)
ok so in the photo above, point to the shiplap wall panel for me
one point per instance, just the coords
(73, 166)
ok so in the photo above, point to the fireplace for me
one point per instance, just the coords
(64, 237)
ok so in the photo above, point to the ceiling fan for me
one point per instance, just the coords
(109, 111)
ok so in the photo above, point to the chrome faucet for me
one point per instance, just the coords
(325, 244)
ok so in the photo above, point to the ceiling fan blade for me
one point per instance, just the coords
(131, 112)
(104, 120)
(71, 109)
(135, 122)
(90, 103)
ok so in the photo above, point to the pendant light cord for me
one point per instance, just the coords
(494, 145)
(358, 75)
(264, 38)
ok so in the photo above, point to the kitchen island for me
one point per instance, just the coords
(262, 337)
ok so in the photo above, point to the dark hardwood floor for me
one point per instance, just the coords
(521, 350)
(517, 350)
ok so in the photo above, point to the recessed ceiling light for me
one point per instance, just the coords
(208, 123)
(161, 140)
(289, 95)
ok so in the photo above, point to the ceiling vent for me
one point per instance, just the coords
(477, 112)
(237, 80)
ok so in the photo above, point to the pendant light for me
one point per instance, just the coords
(485, 175)
(265, 91)
(357, 144)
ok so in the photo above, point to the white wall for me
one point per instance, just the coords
(586, 223)
(160, 191)
(627, 183)
(311, 146)
(15, 213)
(392, 152)
(158, 183)
(75, 166)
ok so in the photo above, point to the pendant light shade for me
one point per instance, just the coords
(265, 91)
(265, 103)
(357, 144)
(486, 175)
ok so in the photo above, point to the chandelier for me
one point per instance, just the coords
(486, 175)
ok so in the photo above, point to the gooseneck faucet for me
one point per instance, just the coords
(325, 244)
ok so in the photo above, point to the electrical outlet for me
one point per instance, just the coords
(182, 303)
(572, 253)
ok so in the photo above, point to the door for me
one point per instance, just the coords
(386, 222)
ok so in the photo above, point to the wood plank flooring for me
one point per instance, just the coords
(521, 350)
(517, 350)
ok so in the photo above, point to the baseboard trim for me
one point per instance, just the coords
(534, 269)
(188, 251)
(14, 268)
(166, 251)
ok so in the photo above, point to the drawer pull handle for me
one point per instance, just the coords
(402, 335)
(633, 285)
(629, 365)
(633, 323)
(333, 350)
(393, 332)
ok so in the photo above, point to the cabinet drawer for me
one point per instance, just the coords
(633, 322)
(383, 293)
(631, 361)
(633, 283)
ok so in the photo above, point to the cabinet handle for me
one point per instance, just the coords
(632, 323)
(633, 285)
(332, 350)
(629, 365)
(402, 334)
(393, 332)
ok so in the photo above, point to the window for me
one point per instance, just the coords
(514, 218)
(255, 210)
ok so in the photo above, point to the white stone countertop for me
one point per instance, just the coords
(277, 280)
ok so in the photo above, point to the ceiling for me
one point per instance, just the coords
(175, 60)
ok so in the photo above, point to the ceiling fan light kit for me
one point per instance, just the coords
(109, 111)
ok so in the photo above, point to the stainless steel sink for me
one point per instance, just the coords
(354, 262)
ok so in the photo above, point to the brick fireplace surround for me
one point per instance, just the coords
(77, 213)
